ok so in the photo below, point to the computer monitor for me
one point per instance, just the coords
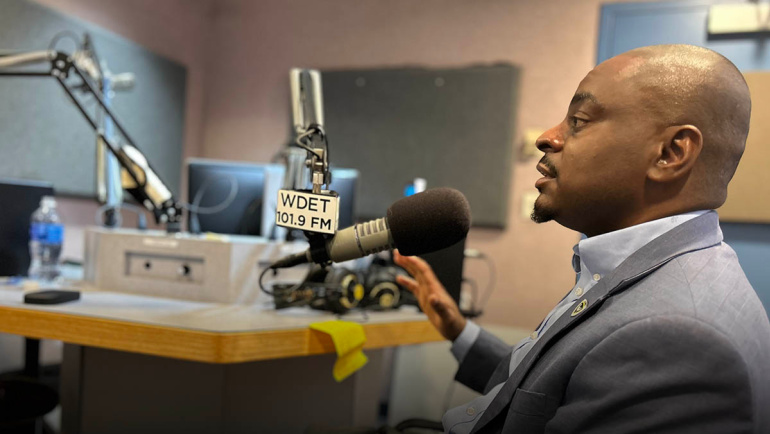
(345, 182)
(252, 211)
(18, 200)
(211, 182)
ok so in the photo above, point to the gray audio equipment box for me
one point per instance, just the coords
(206, 267)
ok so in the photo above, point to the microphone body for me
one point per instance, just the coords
(358, 241)
(418, 224)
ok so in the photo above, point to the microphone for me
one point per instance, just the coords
(418, 224)
(308, 116)
(306, 99)
(123, 81)
(85, 59)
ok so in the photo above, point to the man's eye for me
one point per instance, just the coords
(576, 122)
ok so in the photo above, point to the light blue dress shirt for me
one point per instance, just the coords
(593, 259)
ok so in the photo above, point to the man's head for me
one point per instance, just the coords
(653, 132)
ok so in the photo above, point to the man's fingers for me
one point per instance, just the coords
(415, 265)
(423, 268)
(408, 283)
(407, 262)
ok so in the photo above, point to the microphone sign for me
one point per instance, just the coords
(307, 211)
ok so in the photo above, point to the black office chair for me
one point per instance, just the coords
(420, 424)
(404, 427)
(24, 398)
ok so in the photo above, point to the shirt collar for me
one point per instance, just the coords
(603, 253)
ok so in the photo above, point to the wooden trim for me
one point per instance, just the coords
(196, 345)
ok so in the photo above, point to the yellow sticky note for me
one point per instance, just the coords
(348, 338)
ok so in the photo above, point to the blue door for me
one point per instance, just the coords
(631, 25)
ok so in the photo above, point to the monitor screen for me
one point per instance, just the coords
(210, 184)
(345, 182)
(18, 200)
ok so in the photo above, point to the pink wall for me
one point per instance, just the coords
(254, 44)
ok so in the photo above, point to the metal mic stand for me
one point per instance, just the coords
(144, 183)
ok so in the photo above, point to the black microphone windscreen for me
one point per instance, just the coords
(432, 220)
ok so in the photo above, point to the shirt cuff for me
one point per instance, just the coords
(464, 342)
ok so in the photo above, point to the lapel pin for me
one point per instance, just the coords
(580, 307)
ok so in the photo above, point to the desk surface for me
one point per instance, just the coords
(205, 332)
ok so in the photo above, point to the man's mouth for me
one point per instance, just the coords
(546, 168)
(544, 171)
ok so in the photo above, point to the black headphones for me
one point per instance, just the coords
(382, 292)
(339, 289)
(333, 289)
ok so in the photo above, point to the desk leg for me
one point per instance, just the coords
(69, 388)
(117, 392)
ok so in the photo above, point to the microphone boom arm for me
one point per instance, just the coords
(307, 107)
(143, 183)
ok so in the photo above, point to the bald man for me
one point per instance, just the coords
(662, 332)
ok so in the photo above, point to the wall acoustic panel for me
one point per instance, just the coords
(453, 127)
(42, 134)
(749, 189)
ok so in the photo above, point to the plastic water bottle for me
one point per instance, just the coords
(46, 234)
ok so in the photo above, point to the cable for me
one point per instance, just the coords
(475, 290)
(275, 271)
(63, 34)
(299, 143)
(141, 218)
(491, 284)
(69, 34)
(193, 224)
(94, 56)
(195, 206)
(262, 276)
(475, 254)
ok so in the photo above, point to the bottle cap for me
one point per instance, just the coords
(48, 202)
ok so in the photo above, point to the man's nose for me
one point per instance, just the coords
(551, 140)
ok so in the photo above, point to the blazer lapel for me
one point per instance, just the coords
(501, 374)
(696, 234)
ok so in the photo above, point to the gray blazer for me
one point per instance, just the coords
(674, 340)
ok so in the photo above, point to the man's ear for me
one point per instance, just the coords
(677, 153)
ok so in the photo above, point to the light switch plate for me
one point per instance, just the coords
(528, 203)
(528, 148)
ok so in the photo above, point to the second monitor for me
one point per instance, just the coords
(241, 197)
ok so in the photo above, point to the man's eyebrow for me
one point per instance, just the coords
(582, 96)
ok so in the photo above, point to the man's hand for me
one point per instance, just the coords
(442, 311)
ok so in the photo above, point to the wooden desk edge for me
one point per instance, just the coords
(198, 345)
